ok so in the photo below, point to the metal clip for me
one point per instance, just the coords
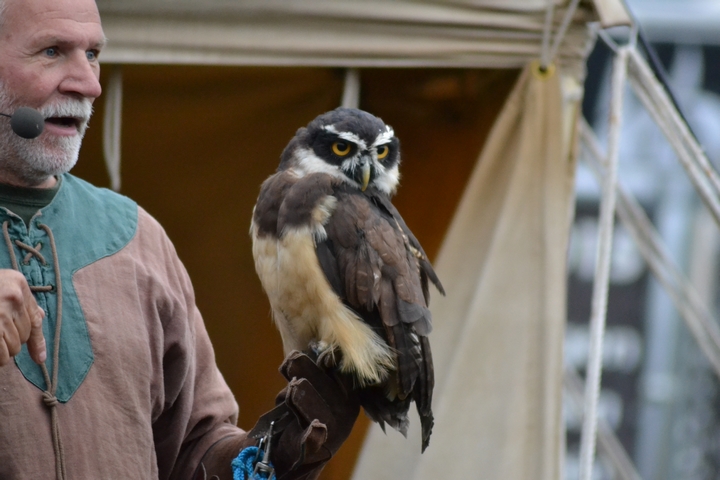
(263, 466)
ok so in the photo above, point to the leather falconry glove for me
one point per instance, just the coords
(313, 417)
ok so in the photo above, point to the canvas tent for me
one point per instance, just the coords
(202, 96)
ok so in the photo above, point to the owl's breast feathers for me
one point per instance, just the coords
(288, 224)
(340, 266)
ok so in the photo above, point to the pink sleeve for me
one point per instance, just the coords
(198, 408)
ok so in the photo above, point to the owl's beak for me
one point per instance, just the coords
(365, 169)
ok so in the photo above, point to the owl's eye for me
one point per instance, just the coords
(382, 151)
(341, 148)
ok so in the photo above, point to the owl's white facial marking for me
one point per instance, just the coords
(308, 163)
(387, 179)
(349, 136)
(384, 137)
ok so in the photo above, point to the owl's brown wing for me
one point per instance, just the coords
(378, 268)
(426, 269)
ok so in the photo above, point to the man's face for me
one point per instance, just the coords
(49, 61)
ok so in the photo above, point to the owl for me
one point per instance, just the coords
(345, 276)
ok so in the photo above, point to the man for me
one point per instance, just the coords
(106, 370)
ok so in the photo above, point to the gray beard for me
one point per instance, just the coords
(33, 161)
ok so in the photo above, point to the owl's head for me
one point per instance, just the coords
(350, 144)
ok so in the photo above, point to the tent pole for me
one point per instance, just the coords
(351, 89)
(112, 123)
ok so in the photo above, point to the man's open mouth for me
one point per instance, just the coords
(64, 121)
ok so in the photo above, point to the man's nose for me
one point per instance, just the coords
(81, 77)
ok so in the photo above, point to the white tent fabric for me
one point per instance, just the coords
(498, 335)
(460, 33)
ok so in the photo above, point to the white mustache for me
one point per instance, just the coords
(80, 109)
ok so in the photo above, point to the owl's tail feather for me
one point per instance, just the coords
(426, 421)
(408, 358)
(383, 411)
(423, 391)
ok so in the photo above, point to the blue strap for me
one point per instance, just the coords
(244, 464)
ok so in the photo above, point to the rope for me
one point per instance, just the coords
(545, 49)
(560, 35)
(660, 107)
(660, 74)
(548, 53)
(607, 440)
(243, 466)
(602, 270)
(52, 402)
(51, 381)
(700, 322)
(608, 40)
(31, 252)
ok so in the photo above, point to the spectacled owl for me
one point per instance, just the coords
(343, 272)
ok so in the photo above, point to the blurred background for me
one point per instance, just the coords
(659, 393)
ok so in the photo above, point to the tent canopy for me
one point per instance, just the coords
(456, 33)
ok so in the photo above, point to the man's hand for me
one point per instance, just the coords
(20, 319)
(317, 412)
(325, 407)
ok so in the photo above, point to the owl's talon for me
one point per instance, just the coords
(328, 357)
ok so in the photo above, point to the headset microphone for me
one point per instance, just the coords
(26, 122)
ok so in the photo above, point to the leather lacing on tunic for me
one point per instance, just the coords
(49, 397)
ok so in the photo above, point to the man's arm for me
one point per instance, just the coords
(317, 411)
(20, 319)
(194, 425)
